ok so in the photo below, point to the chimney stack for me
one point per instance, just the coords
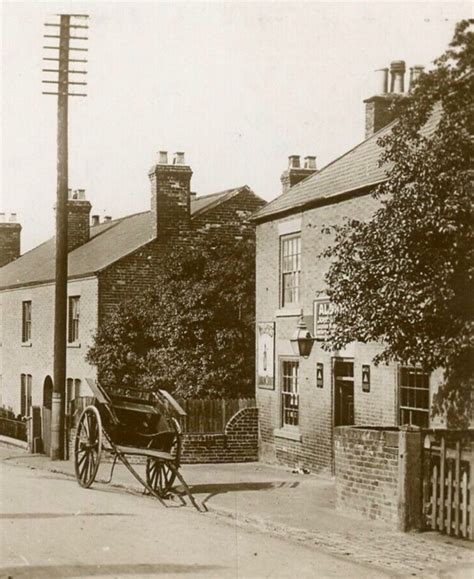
(170, 194)
(295, 173)
(95, 220)
(107, 218)
(10, 232)
(378, 108)
(78, 223)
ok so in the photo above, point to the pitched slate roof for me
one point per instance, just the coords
(358, 168)
(109, 241)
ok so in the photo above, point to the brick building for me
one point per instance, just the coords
(108, 262)
(301, 400)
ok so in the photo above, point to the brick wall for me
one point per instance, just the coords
(366, 466)
(239, 442)
(9, 242)
(231, 217)
(135, 273)
(379, 474)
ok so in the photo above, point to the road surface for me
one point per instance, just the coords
(51, 527)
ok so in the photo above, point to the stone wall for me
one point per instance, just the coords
(378, 473)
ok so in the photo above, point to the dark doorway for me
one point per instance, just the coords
(343, 372)
(46, 414)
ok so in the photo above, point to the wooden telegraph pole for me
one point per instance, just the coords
(67, 24)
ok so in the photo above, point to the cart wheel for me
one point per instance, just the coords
(88, 446)
(159, 476)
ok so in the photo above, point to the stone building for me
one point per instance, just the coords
(107, 263)
(301, 400)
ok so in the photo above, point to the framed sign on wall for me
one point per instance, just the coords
(322, 315)
(266, 355)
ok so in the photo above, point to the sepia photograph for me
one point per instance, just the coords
(237, 289)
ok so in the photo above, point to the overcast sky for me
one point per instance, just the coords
(237, 86)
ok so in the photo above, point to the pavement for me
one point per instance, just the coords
(297, 507)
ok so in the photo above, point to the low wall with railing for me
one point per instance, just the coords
(13, 429)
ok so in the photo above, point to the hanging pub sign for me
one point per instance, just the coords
(365, 378)
(319, 375)
(266, 355)
(322, 314)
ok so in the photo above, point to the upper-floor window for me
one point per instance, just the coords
(414, 396)
(290, 269)
(25, 394)
(73, 321)
(26, 322)
(289, 392)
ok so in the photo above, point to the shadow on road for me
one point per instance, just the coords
(60, 515)
(214, 489)
(104, 570)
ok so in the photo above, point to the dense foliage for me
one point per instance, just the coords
(404, 278)
(194, 333)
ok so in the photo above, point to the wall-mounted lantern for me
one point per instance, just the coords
(365, 378)
(302, 340)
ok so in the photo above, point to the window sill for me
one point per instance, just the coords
(26, 344)
(289, 312)
(74, 345)
(289, 433)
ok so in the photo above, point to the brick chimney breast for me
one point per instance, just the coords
(170, 195)
(295, 173)
(78, 221)
(10, 237)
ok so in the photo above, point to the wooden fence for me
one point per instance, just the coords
(448, 482)
(203, 415)
(211, 415)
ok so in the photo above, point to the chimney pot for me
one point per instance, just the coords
(69, 193)
(382, 80)
(415, 72)
(79, 194)
(13, 218)
(397, 72)
(294, 162)
(108, 218)
(178, 158)
(2, 217)
(163, 158)
(95, 220)
(310, 162)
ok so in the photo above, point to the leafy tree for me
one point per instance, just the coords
(404, 278)
(193, 334)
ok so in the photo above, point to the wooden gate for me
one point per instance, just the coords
(46, 427)
(448, 482)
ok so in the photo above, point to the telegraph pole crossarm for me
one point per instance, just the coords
(63, 82)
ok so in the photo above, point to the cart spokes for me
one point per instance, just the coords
(88, 446)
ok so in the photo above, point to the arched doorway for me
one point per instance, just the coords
(46, 414)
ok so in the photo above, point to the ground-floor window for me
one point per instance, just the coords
(289, 392)
(414, 396)
(73, 388)
(25, 394)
